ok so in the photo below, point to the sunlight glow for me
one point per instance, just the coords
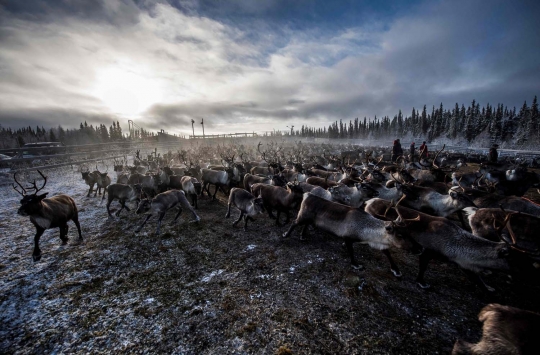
(126, 91)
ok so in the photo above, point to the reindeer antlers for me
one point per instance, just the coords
(44, 183)
(23, 190)
(34, 187)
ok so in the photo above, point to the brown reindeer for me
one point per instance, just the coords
(282, 200)
(506, 330)
(46, 213)
(353, 225)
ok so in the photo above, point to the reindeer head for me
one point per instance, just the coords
(258, 205)
(339, 195)
(144, 206)
(30, 203)
(461, 198)
(399, 228)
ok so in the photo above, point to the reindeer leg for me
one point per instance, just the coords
(393, 266)
(294, 224)
(194, 201)
(239, 218)
(474, 277)
(78, 225)
(108, 209)
(288, 219)
(246, 219)
(177, 215)
(305, 232)
(142, 225)
(268, 208)
(123, 204)
(64, 234)
(425, 257)
(215, 192)
(277, 217)
(89, 191)
(228, 211)
(159, 222)
(36, 255)
(350, 250)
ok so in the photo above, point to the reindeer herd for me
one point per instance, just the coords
(353, 194)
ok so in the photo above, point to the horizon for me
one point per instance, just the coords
(264, 66)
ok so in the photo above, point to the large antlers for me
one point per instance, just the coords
(23, 190)
(44, 183)
(34, 187)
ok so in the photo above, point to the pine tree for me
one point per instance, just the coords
(534, 133)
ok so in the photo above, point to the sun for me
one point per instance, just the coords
(126, 91)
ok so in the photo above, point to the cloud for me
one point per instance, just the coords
(240, 64)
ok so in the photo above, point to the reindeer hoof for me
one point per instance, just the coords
(286, 235)
(357, 267)
(424, 285)
(396, 273)
(36, 257)
(227, 216)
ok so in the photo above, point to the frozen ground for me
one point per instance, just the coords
(211, 288)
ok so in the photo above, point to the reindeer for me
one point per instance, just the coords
(220, 179)
(352, 196)
(90, 178)
(506, 330)
(278, 198)
(102, 181)
(483, 199)
(192, 188)
(441, 238)
(122, 193)
(351, 224)
(428, 200)
(46, 213)
(246, 203)
(163, 202)
(250, 180)
(322, 182)
(386, 193)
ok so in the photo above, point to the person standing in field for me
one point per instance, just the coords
(423, 151)
(493, 155)
(396, 150)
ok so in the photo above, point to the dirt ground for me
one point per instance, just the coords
(211, 288)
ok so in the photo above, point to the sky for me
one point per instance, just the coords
(246, 65)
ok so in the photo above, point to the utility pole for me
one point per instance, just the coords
(291, 127)
(202, 122)
(192, 127)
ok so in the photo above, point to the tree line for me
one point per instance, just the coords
(460, 125)
(85, 134)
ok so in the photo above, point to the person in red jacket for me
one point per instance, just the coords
(423, 151)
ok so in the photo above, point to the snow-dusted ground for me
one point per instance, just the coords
(212, 288)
